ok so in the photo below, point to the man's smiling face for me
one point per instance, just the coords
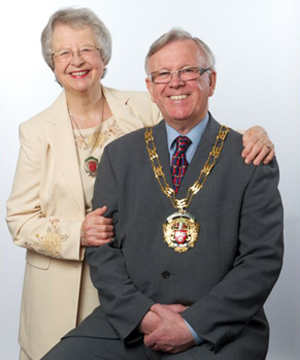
(182, 103)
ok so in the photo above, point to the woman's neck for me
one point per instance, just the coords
(86, 108)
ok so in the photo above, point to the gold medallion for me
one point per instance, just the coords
(181, 231)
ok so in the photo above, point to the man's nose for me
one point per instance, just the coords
(176, 80)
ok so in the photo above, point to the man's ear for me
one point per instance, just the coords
(212, 82)
(150, 85)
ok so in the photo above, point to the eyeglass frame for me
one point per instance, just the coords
(79, 52)
(200, 69)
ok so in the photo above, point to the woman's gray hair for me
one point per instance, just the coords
(77, 18)
(177, 34)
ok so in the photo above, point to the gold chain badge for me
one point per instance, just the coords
(181, 229)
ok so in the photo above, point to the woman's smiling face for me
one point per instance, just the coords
(82, 71)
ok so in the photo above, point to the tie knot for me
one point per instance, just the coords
(182, 143)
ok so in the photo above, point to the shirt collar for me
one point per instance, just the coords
(194, 135)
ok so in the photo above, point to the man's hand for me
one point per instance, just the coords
(96, 230)
(257, 146)
(149, 323)
(151, 320)
(171, 335)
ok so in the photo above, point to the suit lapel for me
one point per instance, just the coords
(61, 140)
(161, 144)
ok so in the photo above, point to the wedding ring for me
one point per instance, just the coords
(269, 146)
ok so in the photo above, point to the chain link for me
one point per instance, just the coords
(184, 203)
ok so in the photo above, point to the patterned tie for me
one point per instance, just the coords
(179, 161)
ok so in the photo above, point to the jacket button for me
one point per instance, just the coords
(166, 274)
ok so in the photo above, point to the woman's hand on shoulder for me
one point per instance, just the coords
(257, 146)
(96, 230)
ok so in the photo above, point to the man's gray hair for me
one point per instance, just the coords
(76, 18)
(177, 34)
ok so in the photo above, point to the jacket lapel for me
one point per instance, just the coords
(61, 140)
(117, 103)
(161, 144)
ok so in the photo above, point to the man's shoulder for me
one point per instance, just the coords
(233, 147)
(233, 141)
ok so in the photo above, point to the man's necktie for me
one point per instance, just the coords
(179, 161)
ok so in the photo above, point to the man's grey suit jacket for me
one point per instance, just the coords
(225, 279)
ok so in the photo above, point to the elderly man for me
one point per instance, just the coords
(198, 243)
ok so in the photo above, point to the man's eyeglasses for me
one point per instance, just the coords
(64, 55)
(187, 74)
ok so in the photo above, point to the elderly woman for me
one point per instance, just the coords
(49, 210)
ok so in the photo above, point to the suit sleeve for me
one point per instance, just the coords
(228, 307)
(123, 304)
(30, 228)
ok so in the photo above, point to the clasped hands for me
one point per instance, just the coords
(165, 330)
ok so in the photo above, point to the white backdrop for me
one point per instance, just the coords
(256, 43)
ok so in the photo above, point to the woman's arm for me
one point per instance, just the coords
(60, 235)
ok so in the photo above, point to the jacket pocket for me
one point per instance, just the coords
(37, 260)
